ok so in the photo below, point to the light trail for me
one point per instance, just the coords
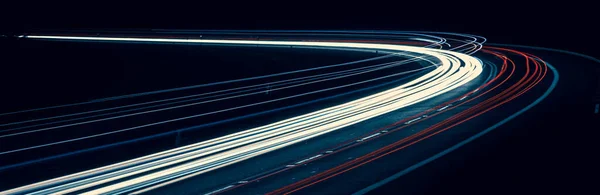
(114, 98)
(205, 156)
(97, 148)
(444, 107)
(466, 141)
(181, 106)
(528, 81)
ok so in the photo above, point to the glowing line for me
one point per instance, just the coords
(444, 78)
(466, 141)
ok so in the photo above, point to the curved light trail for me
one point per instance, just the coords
(536, 71)
(530, 79)
(450, 65)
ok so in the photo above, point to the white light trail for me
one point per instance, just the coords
(169, 166)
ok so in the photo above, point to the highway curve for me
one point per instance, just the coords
(341, 128)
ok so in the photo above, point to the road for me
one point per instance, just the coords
(530, 138)
(388, 131)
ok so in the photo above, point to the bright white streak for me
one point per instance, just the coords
(456, 76)
(245, 152)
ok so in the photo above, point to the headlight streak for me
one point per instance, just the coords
(169, 161)
(98, 120)
(162, 109)
(523, 85)
(228, 187)
(278, 142)
(386, 130)
(50, 128)
(430, 87)
(340, 147)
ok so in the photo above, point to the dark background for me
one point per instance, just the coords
(552, 161)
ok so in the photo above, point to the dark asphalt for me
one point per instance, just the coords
(218, 58)
(545, 150)
(528, 146)
(265, 163)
